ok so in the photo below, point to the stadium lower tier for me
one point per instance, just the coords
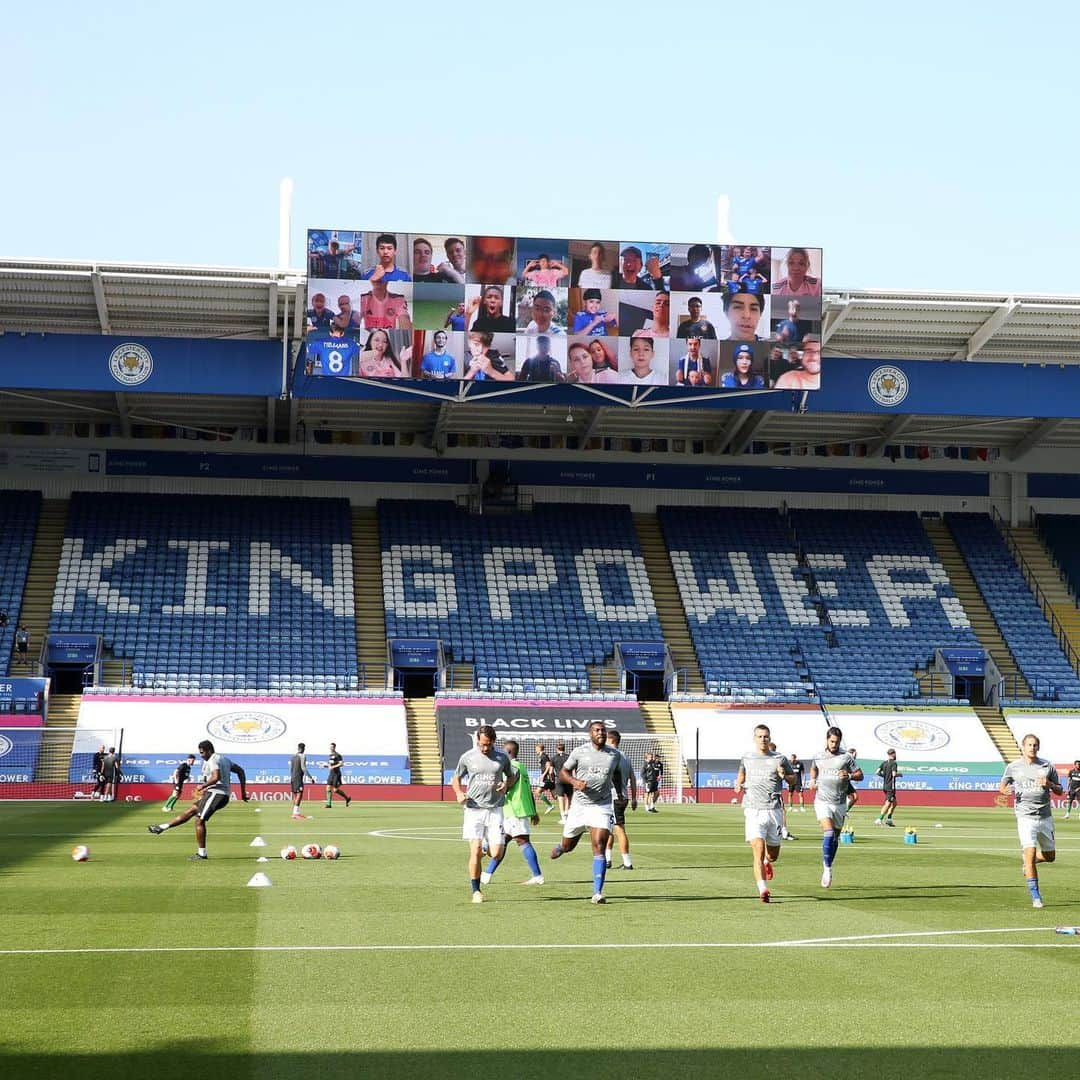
(200, 594)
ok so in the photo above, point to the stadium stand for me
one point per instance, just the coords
(19, 513)
(891, 607)
(1059, 532)
(530, 599)
(213, 592)
(1022, 623)
(832, 604)
(743, 639)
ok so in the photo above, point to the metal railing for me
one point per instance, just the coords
(1012, 686)
(933, 684)
(1035, 522)
(374, 677)
(447, 677)
(1033, 584)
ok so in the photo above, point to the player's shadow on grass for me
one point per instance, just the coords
(182, 1061)
(31, 828)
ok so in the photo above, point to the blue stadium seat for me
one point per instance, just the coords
(754, 622)
(19, 512)
(1033, 644)
(212, 592)
(531, 600)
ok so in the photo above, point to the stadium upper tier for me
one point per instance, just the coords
(18, 522)
(845, 604)
(531, 600)
(1019, 617)
(211, 591)
(1059, 531)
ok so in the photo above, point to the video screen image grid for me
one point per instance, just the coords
(437, 306)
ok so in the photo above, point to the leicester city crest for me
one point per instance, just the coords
(130, 363)
(888, 385)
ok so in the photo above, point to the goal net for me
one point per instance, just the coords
(635, 747)
(52, 762)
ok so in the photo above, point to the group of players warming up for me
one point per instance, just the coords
(487, 779)
(496, 794)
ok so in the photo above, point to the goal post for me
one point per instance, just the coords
(634, 746)
(52, 762)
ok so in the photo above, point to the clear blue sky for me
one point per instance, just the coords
(923, 145)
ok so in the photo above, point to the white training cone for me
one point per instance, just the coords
(257, 842)
(262, 858)
(260, 881)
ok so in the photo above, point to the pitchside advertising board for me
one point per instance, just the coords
(22, 701)
(459, 720)
(937, 749)
(449, 306)
(20, 747)
(1058, 731)
(260, 735)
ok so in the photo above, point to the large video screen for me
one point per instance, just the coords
(436, 306)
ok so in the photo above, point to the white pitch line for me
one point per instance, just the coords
(850, 941)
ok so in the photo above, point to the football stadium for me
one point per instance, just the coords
(451, 653)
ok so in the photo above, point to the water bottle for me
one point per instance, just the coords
(1072, 931)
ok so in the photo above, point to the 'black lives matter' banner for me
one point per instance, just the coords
(459, 721)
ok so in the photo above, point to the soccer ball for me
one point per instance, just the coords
(331, 851)
(80, 853)
(288, 853)
(312, 851)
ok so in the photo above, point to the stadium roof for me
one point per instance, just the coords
(40, 296)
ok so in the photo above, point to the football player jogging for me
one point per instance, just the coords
(798, 770)
(761, 778)
(1074, 789)
(563, 792)
(650, 777)
(594, 771)
(489, 773)
(212, 794)
(179, 778)
(618, 807)
(333, 777)
(297, 771)
(1032, 780)
(831, 772)
(852, 790)
(546, 788)
(785, 833)
(889, 773)
(519, 813)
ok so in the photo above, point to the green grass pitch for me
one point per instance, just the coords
(921, 961)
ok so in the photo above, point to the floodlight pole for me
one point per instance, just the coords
(285, 199)
(724, 234)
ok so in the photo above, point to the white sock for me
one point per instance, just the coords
(165, 825)
(626, 861)
(761, 886)
(202, 851)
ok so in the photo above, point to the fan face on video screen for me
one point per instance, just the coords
(438, 306)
